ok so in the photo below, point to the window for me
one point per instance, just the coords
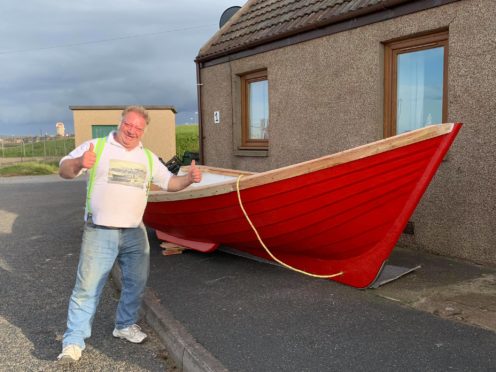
(255, 110)
(415, 83)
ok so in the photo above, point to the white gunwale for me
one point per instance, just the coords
(251, 179)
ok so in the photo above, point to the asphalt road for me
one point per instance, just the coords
(40, 233)
(249, 315)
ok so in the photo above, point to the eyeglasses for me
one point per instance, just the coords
(135, 128)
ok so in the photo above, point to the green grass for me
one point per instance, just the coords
(29, 169)
(186, 139)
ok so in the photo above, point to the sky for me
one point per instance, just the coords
(55, 54)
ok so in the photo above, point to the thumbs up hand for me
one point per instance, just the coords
(194, 173)
(177, 183)
(89, 157)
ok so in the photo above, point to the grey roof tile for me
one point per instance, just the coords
(261, 21)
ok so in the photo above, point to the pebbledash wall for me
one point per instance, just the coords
(326, 95)
(160, 135)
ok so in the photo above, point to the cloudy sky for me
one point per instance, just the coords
(55, 54)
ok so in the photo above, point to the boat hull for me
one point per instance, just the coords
(344, 218)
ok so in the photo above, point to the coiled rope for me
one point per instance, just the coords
(267, 249)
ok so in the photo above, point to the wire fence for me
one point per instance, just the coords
(22, 149)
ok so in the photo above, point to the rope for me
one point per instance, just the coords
(267, 249)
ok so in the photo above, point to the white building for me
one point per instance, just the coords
(60, 129)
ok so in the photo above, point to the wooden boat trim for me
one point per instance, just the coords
(220, 171)
(251, 179)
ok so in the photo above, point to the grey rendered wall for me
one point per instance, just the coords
(326, 95)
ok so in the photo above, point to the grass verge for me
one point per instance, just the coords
(29, 169)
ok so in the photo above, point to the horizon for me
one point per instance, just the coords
(68, 133)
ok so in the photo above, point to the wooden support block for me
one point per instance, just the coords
(169, 252)
(170, 248)
(167, 245)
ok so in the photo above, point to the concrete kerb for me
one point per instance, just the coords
(188, 354)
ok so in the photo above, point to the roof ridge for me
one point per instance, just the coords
(262, 14)
(230, 35)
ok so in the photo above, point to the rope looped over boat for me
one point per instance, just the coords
(267, 250)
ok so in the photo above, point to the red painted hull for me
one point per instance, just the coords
(347, 217)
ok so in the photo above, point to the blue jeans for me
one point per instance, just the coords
(100, 248)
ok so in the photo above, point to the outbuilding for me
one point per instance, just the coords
(97, 121)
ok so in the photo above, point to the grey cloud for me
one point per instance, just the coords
(54, 54)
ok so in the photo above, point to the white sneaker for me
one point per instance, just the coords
(70, 353)
(132, 334)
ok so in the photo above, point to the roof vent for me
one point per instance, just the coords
(227, 14)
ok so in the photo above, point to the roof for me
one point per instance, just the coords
(122, 107)
(260, 22)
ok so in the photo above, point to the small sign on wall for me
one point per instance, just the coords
(217, 117)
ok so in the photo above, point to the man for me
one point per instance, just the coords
(121, 170)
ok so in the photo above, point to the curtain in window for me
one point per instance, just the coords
(259, 110)
(419, 89)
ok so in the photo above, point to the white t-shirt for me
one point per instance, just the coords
(119, 194)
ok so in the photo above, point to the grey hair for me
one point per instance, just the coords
(140, 110)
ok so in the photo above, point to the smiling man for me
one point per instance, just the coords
(120, 173)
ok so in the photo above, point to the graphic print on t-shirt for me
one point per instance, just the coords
(127, 173)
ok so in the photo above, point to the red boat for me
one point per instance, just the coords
(338, 216)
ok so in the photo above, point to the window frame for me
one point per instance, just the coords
(391, 51)
(246, 80)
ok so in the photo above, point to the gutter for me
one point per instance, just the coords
(200, 116)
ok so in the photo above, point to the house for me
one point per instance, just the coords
(97, 121)
(287, 81)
